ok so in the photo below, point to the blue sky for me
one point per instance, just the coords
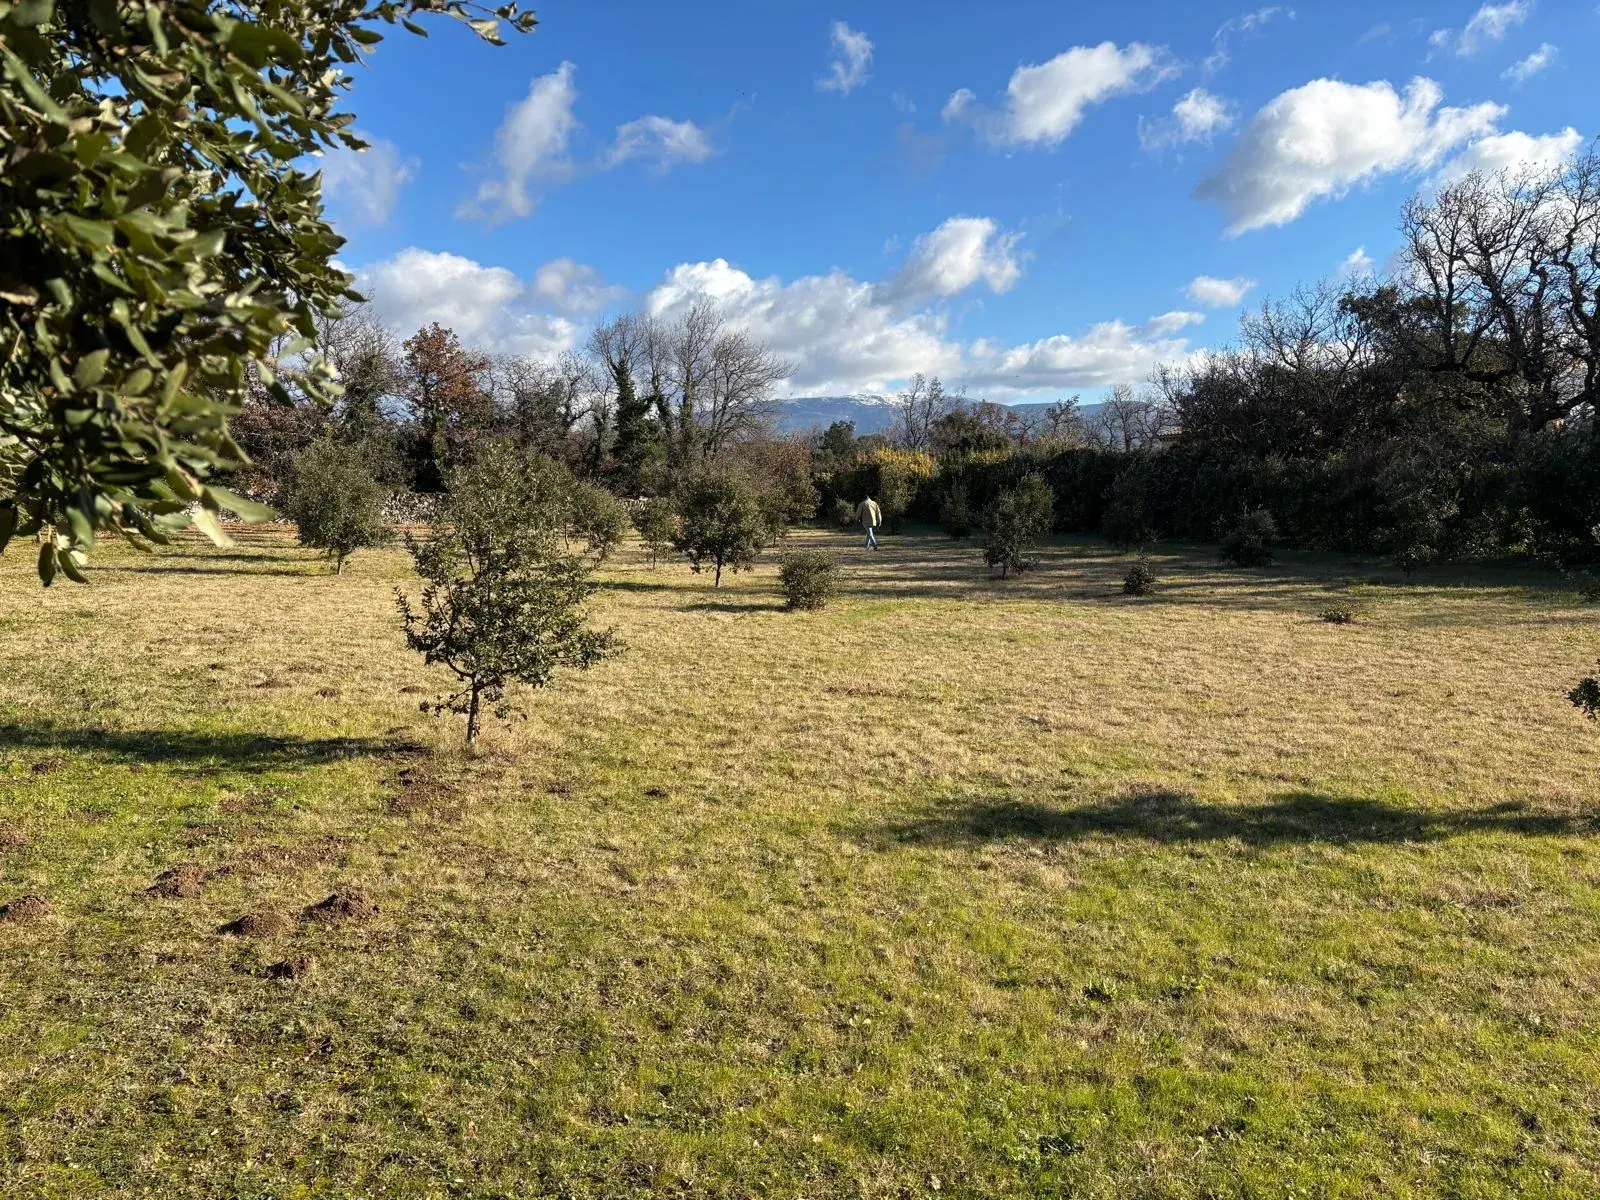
(1031, 199)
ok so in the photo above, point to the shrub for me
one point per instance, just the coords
(1249, 542)
(844, 513)
(1586, 697)
(502, 598)
(955, 511)
(724, 521)
(1140, 579)
(810, 578)
(1127, 520)
(657, 523)
(1018, 520)
(1338, 615)
(335, 502)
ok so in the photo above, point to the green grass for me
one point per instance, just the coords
(958, 887)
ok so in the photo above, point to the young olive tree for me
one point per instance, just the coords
(1018, 520)
(335, 502)
(503, 597)
(163, 241)
(657, 524)
(724, 521)
(598, 519)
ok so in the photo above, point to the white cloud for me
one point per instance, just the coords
(1195, 117)
(573, 288)
(845, 335)
(1514, 151)
(1358, 264)
(365, 184)
(1218, 293)
(851, 61)
(1326, 136)
(530, 147)
(1108, 353)
(1525, 69)
(661, 142)
(1045, 102)
(960, 253)
(1246, 24)
(1489, 24)
(489, 307)
(1171, 322)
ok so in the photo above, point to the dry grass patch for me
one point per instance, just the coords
(1026, 887)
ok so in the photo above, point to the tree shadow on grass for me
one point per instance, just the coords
(735, 606)
(204, 570)
(1173, 817)
(201, 752)
(917, 564)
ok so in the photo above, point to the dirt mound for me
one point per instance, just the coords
(412, 689)
(261, 924)
(193, 835)
(13, 835)
(26, 908)
(341, 907)
(657, 793)
(182, 882)
(422, 794)
(295, 967)
(328, 693)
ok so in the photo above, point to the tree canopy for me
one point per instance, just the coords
(163, 241)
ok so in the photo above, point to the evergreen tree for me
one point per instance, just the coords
(637, 445)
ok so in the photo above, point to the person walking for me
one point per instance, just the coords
(870, 516)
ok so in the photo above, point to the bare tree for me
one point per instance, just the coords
(1504, 284)
(1127, 420)
(921, 405)
(539, 403)
(710, 385)
(1062, 423)
(736, 401)
(691, 344)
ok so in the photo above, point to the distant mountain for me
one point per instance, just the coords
(872, 414)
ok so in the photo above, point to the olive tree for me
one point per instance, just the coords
(723, 520)
(503, 597)
(657, 524)
(163, 244)
(1017, 520)
(336, 504)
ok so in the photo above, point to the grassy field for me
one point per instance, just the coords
(957, 888)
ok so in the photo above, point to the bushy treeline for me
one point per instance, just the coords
(1415, 498)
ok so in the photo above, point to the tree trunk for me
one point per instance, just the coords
(472, 719)
(718, 582)
(338, 564)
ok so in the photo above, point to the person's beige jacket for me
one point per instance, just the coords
(869, 514)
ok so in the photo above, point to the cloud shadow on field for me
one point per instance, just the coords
(195, 751)
(1176, 818)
